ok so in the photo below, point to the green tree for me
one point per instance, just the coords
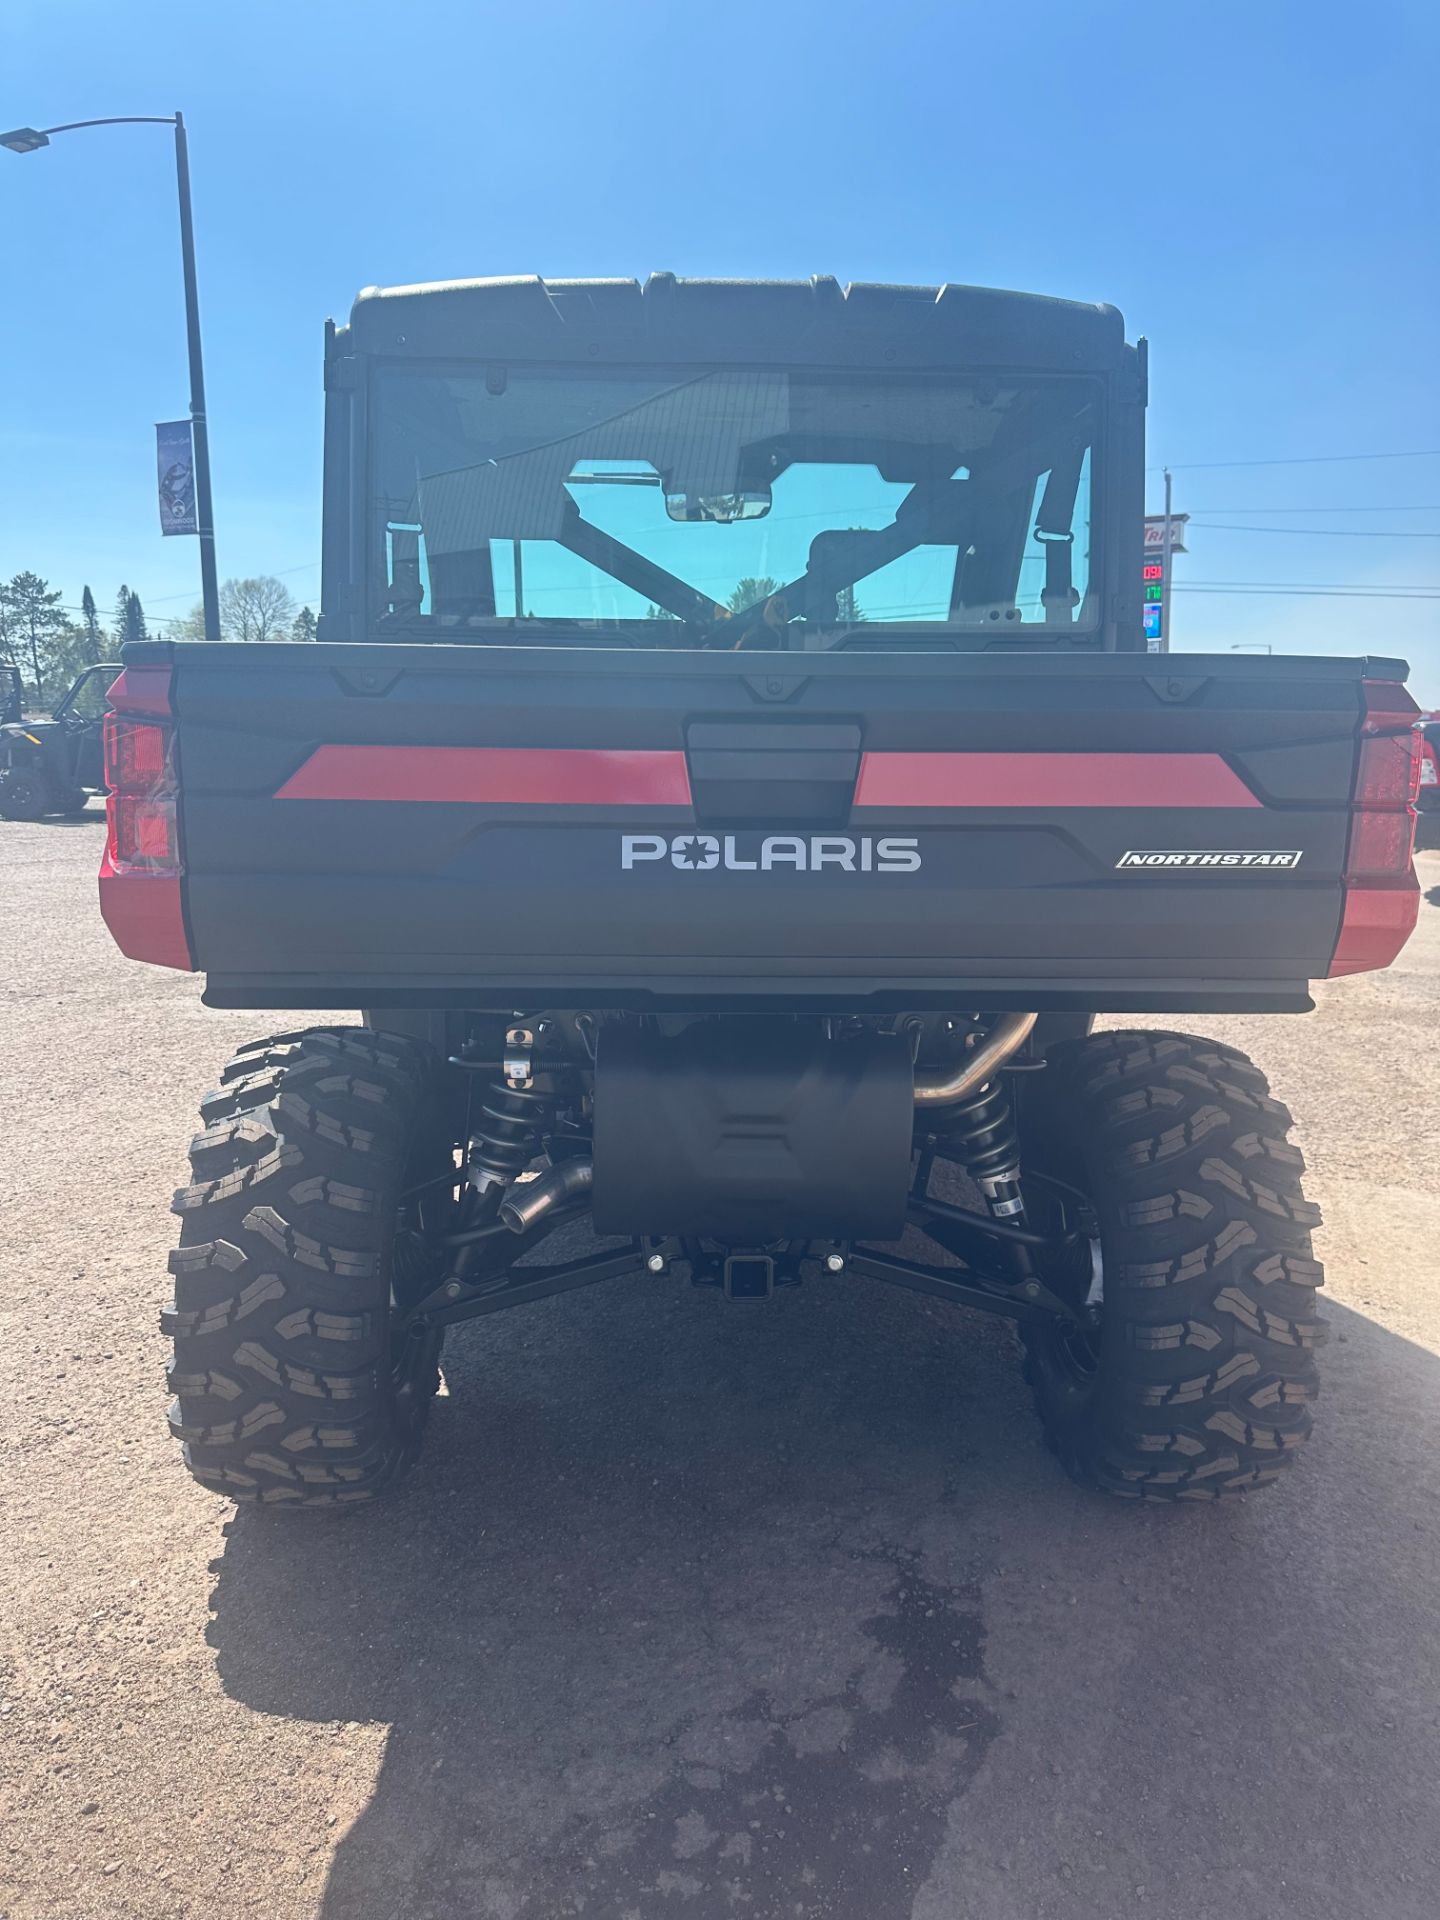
(95, 640)
(129, 617)
(747, 591)
(259, 609)
(10, 650)
(38, 626)
(192, 627)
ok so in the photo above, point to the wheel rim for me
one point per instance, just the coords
(1078, 1348)
(1072, 1353)
(22, 798)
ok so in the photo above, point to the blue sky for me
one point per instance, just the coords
(1253, 185)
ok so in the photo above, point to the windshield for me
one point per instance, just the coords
(751, 507)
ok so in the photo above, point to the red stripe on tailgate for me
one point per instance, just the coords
(504, 776)
(1049, 780)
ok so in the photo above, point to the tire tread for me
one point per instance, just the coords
(280, 1316)
(1207, 1371)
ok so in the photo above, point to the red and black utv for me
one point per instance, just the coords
(731, 780)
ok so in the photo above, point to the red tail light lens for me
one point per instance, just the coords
(137, 755)
(142, 834)
(140, 773)
(1389, 773)
(1382, 894)
(140, 875)
(1380, 846)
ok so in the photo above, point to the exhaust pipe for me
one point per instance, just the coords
(528, 1203)
(943, 1086)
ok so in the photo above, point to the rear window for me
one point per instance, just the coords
(731, 502)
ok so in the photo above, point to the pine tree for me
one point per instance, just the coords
(34, 607)
(94, 642)
(129, 617)
(304, 627)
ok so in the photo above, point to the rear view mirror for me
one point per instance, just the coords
(722, 507)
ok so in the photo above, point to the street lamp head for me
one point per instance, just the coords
(24, 139)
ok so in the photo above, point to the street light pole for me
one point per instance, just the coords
(29, 140)
(199, 426)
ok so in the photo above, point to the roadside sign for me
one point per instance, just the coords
(1156, 594)
(1155, 532)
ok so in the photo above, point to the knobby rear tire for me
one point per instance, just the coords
(291, 1390)
(1200, 1383)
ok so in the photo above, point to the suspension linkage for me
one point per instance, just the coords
(967, 1287)
(922, 1209)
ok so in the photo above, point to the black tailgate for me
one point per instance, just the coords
(502, 825)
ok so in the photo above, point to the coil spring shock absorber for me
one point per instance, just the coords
(504, 1141)
(980, 1132)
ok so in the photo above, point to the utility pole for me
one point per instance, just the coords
(204, 511)
(1165, 576)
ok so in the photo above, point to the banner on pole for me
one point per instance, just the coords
(175, 469)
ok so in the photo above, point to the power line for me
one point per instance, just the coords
(1320, 533)
(1358, 586)
(284, 573)
(1296, 460)
(1435, 509)
(1316, 593)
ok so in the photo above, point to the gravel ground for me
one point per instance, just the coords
(693, 1609)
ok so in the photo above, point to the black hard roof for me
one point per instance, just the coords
(814, 321)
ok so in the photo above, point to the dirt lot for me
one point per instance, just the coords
(694, 1609)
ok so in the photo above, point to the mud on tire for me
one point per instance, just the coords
(289, 1387)
(1200, 1381)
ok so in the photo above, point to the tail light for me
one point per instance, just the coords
(1382, 894)
(140, 875)
(140, 773)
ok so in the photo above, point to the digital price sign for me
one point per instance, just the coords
(1154, 604)
(1154, 573)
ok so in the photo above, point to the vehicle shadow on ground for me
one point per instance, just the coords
(683, 1609)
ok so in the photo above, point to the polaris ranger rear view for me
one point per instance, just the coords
(731, 780)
